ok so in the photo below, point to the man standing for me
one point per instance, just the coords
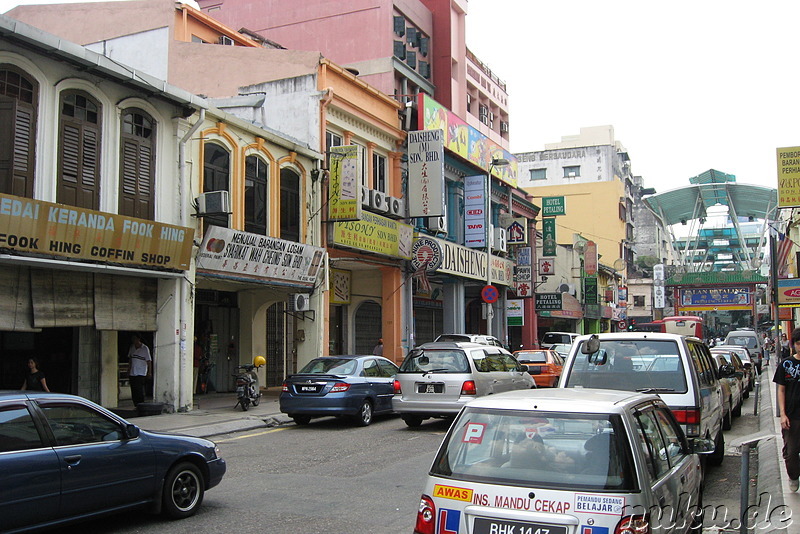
(787, 377)
(141, 368)
(378, 349)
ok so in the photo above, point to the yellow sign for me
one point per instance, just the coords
(452, 492)
(44, 228)
(375, 233)
(345, 184)
(788, 177)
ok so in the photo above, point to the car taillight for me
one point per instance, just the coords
(468, 388)
(426, 516)
(687, 416)
(397, 389)
(633, 524)
(285, 387)
(340, 386)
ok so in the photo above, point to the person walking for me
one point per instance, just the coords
(34, 380)
(787, 377)
(141, 368)
(378, 350)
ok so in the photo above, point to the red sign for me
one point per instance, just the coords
(489, 294)
(622, 325)
(590, 258)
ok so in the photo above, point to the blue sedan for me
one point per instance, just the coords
(64, 459)
(354, 386)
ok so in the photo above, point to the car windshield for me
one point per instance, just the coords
(435, 361)
(537, 449)
(630, 365)
(330, 366)
(538, 356)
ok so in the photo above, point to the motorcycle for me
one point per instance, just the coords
(247, 388)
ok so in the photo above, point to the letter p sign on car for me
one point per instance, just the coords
(474, 433)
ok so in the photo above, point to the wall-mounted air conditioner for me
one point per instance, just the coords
(437, 225)
(364, 196)
(301, 302)
(499, 243)
(213, 203)
(378, 201)
(567, 288)
(397, 207)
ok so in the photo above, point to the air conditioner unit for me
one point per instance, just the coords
(499, 243)
(378, 201)
(225, 40)
(213, 202)
(567, 288)
(365, 196)
(504, 126)
(397, 207)
(301, 301)
(437, 225)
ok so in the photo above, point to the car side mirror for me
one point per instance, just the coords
(131, 431)
(523, 368)
(702, 445)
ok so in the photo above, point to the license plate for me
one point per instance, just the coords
(430, 388)
(308, 389)
(497, 526)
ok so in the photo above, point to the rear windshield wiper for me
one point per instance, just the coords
(655, 390)
(429, 371)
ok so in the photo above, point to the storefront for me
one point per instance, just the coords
(558, 312)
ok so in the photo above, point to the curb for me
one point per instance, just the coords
(770, 471)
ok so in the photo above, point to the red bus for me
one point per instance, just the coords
(686, 325)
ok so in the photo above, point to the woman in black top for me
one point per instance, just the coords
(35, 380)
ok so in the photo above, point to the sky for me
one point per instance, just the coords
(688, 86)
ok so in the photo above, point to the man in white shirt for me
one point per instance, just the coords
(141, 368)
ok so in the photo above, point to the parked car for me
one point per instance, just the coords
(470, 338)
(732, 386)
(561, 348)
(679, 368)
(544, 365)
(744, 356)
(437, 379)
(347, 386)
(551, 338)
(562, 461)
(65, 459)
(747, 337)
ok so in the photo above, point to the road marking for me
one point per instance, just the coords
(251, 435)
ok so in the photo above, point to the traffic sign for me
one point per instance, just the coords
(489, 294)
(622, 325)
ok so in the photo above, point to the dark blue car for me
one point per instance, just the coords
(64, 458)
(354, 386)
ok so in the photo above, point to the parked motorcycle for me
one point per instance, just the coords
(247, 388)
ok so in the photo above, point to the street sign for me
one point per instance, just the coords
(622, 325)
(489, 294)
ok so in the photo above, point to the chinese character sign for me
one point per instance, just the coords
(426, 173)
(345, 184)
(549, 236)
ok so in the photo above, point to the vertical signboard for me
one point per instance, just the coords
(515, 312)
(524, 272)
(426, 173)
(788, 177)
(475, 211)
(590, 290)
(659, 297)
(549, 237)
(345, 184)
(590, 258)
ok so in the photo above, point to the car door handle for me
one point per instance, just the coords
(75, 459)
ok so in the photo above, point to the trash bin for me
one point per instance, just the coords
(150, 408)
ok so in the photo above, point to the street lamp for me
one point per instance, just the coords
(496, 162)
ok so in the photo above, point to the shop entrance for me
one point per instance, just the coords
(53, 347)
(217, 323)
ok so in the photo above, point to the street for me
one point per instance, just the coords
(334, 478)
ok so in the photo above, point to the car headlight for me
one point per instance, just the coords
(216, 453)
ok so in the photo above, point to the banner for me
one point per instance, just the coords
(549, 237)
(344, 203)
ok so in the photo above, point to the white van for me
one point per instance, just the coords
(555, 338)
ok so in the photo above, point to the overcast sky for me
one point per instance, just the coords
(688, 85)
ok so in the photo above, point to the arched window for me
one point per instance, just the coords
(216, 177)
(255, 195)
(19, 103)
(79, 150)
(137, 165)
(290, 205)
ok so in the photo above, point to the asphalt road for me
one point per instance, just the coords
(334, 478)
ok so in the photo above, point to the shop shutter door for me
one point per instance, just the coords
(61, 298)
(16, 310)
(125, 303)
(368, 327)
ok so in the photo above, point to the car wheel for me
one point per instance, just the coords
(737, 412)
(301, 419)
(412, 421)
(364, 417)
(183, 491)
(257, 400)
(718, 455)
(727, 420)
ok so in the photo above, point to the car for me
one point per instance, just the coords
(679, 368)
(561, 348)
(732, 387)
(562, 461)
(552, 338)
(544, 365)
(470, 338)
(749, 338)
(354, 386)
(437, 379)
(65, 459)
(744, 356)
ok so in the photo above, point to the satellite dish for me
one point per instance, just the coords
(619, 264)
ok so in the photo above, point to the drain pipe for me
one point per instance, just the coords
(185, 288)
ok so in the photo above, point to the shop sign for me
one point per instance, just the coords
(788, 177)
(590, 290)
(789, 292)
(45, 228)
(515, 315)
(340, 286)
(548, 301)
(590, 258)
(475, 211)
(231, 251)
(593, 311)
(375, 233)
(715, 298)
(547, 266)
(549, 237)
(425, 173)
(345, 183)
(465, 262)
(426, 255)
(524, 272)
(552, 206)
(570, 308)
(517, 231)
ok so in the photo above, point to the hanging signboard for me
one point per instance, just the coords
(517, 231)
(549, 237)
(475, 211)
(548, 301)
(426, 173)
(788, 177)
(590, 290)
(552, 206)
(345, 184)
(514, 312)
(590, 258)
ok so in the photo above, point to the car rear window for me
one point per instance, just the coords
(551, 338)
(745, 341)
(453, 337)
(537, 449)
(330, 366)
(532, 357)
(435, 361)
(630, 365)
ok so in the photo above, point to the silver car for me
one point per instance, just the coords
(437, 379)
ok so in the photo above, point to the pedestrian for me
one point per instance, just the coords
(198, 361)
(378, 350)
(787, 377)
(784, 347)
(141, 368)
(34, 380)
